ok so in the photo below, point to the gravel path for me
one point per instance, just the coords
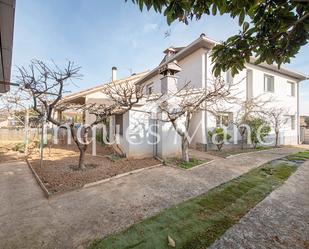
(279, 221)
(73, 219)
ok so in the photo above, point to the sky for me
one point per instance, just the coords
(100, 34)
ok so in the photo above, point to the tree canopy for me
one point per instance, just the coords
(271, 30)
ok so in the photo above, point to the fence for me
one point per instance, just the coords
(304, 136)
(14, 135)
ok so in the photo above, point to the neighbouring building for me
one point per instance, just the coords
(7, 13)
(303, 121)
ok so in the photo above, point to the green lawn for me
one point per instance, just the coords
(184, 165)
(197, 223)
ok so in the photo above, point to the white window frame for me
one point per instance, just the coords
(292, 88)
(266, 88)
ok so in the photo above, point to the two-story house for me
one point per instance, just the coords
(139, 138)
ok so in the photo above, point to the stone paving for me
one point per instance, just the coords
(280, 221)
(73, 219)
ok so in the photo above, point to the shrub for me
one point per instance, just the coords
(20, 147)
(259, 130)
(219, 136)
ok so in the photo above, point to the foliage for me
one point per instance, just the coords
(197, 223)
(271, 30)
(219, 136)
(185, 165)
(99, 137)
(20, 147)
(259, 130)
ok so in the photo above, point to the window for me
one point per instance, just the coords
(119, 123)
(224, 119)
(149, 89)
(269, 85)
(249, 83)
(293, 122)
(291, 88)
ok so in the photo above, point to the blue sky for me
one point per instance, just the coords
(100, 34)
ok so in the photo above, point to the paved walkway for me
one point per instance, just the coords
(279, 221)
(71, 220)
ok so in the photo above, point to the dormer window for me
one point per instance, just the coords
(149, 89)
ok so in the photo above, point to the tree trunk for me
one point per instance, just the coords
(185, 149)
(277, 138)
(81, 147)
(82, 154)
(254, 145)
(242, 134)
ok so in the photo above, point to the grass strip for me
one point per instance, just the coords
(198, 222)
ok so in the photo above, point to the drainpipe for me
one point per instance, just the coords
(205, 112)
(298, 118)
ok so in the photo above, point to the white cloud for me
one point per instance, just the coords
(148, 27)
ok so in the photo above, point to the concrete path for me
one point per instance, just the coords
(279, 221)
(72, 220)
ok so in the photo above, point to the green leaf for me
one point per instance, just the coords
(214, 10)
(245, 26)
(241, 17)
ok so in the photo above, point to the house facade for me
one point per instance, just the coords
(142, 131)
(142, 127)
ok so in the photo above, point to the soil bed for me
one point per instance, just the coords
(59, 173)
(8, 155)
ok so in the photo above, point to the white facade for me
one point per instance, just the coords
(195, 63)
(143, 127)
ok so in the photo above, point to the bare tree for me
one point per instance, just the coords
(46, 86)
(182, 105)
(276, 118)
(248, 108)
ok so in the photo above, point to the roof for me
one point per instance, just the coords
(98, 88)
(7, 12)
(207, 43)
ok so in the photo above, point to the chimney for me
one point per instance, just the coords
(169, 52)
(114, 73)
(169, 80)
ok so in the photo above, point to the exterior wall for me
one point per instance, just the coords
(197, 69)
(192, 70)
(170, 142)
(136, 138)
(280, 99)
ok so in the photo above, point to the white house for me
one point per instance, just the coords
(140, 137)
(143, 134)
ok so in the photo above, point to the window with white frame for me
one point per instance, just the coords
(224, 119)
(269, 83)
(149, 89)
(249, 84)
(291, 88)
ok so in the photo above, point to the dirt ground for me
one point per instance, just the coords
(7, 154)
(59, 172)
